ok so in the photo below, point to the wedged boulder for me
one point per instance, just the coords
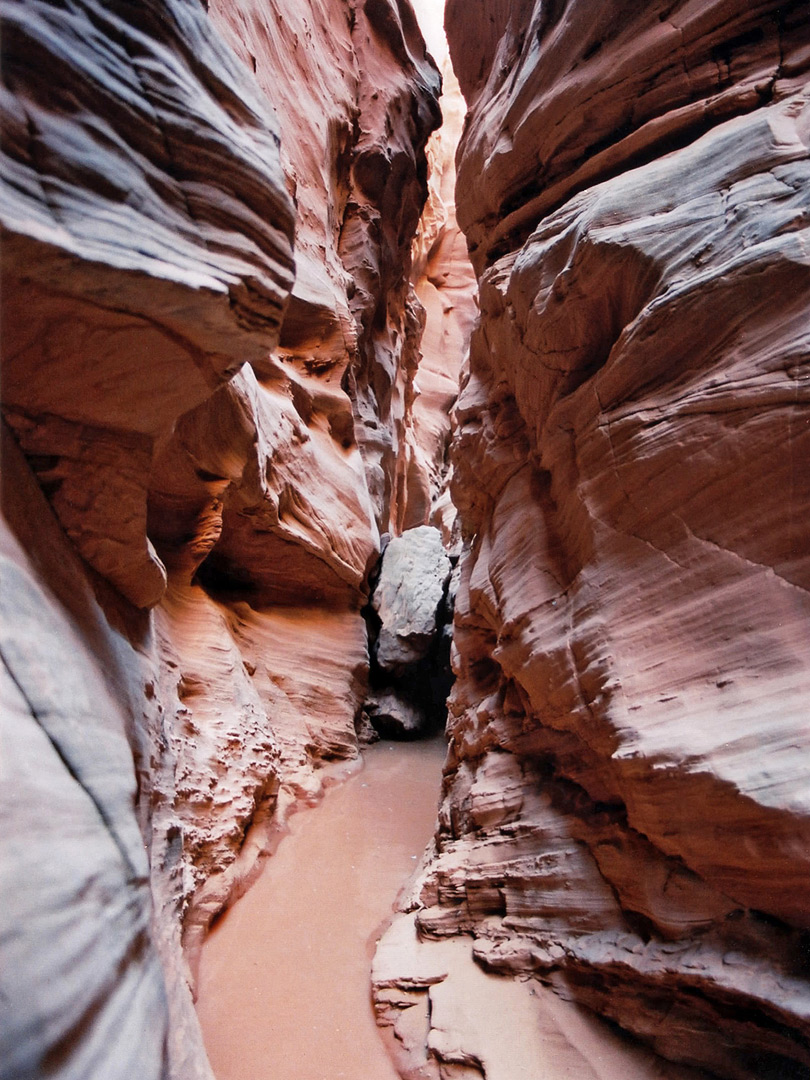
(408, 622)
(409, 594)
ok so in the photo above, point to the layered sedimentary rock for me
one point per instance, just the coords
(625, 812)
(123, 242)
(81, 981)
(444, 282)
(208, 330)
(356, 98)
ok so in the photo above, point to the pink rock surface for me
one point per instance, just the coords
(625, 809)
(80, 980)
(107, 341)
(564, 98)
(355, 93)
(445, 286)
(209, 327)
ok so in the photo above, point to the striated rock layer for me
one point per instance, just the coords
(625, 813)
(355, 94)
(209, 336)
(445, 285)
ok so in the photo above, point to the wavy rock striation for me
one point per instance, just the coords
(356, 97)
(209, 332)
(445, 285)
(625, 814)
(81, 981)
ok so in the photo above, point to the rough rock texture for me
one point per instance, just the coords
(356, 98)
(445, 285)
(208, 331)
(393, 715)
(107, 341)
(444, 1018)
(625, 812)
(413, 579)
(409, 632)
(78, 956)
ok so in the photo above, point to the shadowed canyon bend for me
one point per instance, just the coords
(298, 382)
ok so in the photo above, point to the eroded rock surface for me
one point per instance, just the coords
(409, 633)
(78, 953)
(209, 329)
(413, 579)
(132, 267)
(445, 285)
(356, 97)
(625, 813)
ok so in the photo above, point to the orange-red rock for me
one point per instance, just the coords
(445, 286)
(625, 811)
(208, 332)
(132, 265)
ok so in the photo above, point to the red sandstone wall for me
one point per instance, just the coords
(625, 812)
(208, 331)
(445, 286)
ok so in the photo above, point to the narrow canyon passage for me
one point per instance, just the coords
(284, 986)
(353, 350)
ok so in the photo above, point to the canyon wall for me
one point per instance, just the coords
(625, 813)
(210, 345)
(445, 285)
(215, 403)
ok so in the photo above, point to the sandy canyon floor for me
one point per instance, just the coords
(284, 981)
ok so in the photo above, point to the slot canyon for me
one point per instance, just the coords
(405, 544)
